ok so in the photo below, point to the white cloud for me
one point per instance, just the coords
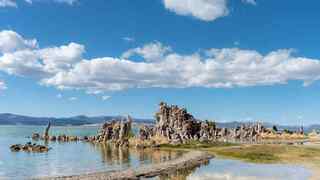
(28, 1)
(8, 3)
(22, 57)
(63, 67)
(13, 3)
(10, 41)
(252, 2)
(22, 63)
(150, 52)
(61, 58)
(70, 2)
(104, 98)
(59, 96)
(128, 39)
(3, 85)
(206, 10)
(222, 68)
(72, 98)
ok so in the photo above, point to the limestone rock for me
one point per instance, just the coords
(29, 147)
(35, 136)
(117, 132)
(146, 132)
(178, 126)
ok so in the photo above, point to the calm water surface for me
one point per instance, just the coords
(67, 158)
(81, 158)
(223, 169)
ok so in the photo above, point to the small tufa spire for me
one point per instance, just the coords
(46, 132)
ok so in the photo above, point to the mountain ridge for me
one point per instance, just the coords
(15, 119)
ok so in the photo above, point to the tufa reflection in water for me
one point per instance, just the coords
(123, 156)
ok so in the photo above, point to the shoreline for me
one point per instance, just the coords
(189, 160)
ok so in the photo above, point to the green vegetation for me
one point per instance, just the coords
(257, 153)
(198, 145)
(211, 124)
(275, 129)
(270, 153)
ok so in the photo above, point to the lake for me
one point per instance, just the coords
(81, 158)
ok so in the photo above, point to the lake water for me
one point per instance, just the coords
(224, 169)
(68, 158)
(81, 158)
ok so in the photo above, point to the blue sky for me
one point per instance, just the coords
(222, 59)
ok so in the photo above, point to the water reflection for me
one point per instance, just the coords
(112, 155)
(133, 157)
(181, 174)
(81, 158)
(223, 169)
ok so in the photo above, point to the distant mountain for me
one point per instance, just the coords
(14, 119)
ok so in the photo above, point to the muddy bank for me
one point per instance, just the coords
(187, 161)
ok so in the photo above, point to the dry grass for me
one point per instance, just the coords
(270, 153)
(284, 136)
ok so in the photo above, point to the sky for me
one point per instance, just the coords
(224, 60)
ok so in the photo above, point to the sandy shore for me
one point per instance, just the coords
(189, 160)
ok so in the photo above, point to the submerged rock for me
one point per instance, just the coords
(53, 138)
(35, 136)
(29, 147)
(16, 147)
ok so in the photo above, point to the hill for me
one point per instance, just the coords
(14, 119)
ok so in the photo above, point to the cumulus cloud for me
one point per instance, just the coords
(10, 41)
(64, 67)
(206, 10)
(8, 3)
(150, 52)
(3, 85)
(219, 68)
(252, 2)
(61, 58)
(22, 57)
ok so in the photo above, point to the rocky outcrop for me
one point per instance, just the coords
(115, 132)
(29, 147)
(46, 136)
(176, 124)
(146, 132)
(179, 126)
(35, 136)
